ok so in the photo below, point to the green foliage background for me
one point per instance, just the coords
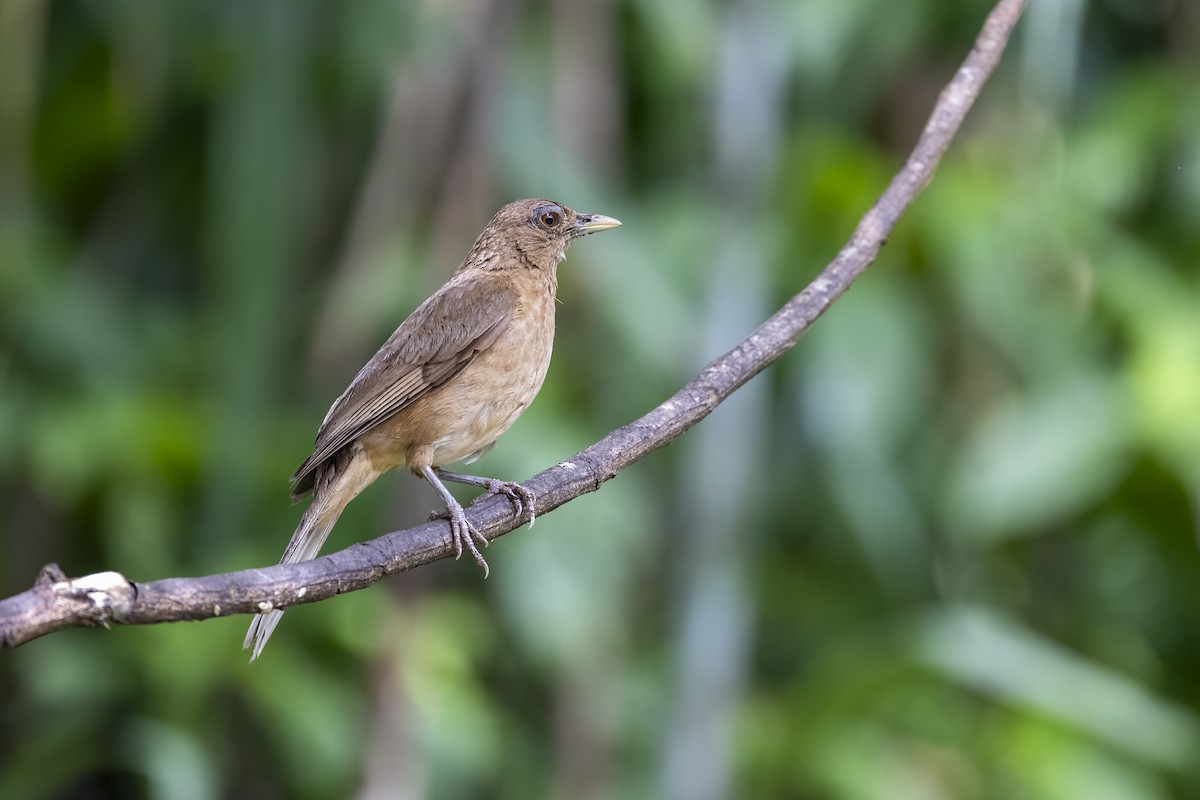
(947, 548)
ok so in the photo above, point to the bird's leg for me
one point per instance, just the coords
(462, 532)
(521, 497)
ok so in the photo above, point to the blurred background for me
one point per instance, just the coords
(946, 548)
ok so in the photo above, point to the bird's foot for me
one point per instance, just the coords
(464, 535)
(522, 499)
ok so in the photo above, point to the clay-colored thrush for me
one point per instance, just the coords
(452, 378)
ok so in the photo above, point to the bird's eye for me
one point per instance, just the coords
(549, 216)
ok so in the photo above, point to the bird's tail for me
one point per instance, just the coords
(338, 482)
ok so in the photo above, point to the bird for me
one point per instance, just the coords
(454, 376)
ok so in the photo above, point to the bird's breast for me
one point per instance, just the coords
(483, 401)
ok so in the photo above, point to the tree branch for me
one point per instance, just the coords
(55, 603)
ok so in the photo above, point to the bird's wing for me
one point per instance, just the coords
(434, 344)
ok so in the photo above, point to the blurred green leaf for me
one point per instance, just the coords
(1033, 463)
(1000, 658)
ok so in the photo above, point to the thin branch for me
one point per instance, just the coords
(55, 603)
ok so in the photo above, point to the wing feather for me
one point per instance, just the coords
(438, 340)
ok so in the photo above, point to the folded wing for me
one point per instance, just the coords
(438, 340)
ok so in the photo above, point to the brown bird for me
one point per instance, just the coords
(454, 376)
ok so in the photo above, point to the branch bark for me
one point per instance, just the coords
(55, 602)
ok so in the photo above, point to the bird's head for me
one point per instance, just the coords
(538, 232)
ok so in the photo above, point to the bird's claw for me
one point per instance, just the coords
(463, 533)
(521, 497)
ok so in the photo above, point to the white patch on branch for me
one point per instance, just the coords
(110, 592)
